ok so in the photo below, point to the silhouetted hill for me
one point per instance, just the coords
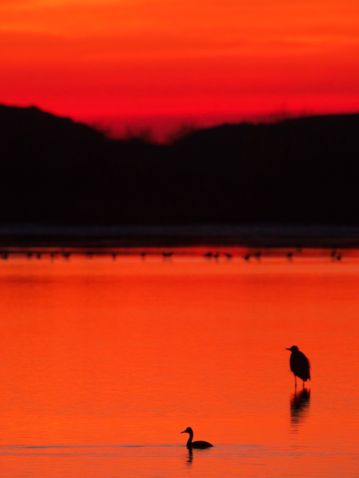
(298, 171)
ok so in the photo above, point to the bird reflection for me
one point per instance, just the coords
(299, 405)
(189, 456)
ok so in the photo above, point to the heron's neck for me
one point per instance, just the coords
(190, 438)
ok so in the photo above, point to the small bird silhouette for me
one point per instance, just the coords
(195, 444)
(208, 255)
(299, 365)
(335, 255)
(167, 255)
(290, 255)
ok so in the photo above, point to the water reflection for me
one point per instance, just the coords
(74, 325)
(189, 456)
(299, 406)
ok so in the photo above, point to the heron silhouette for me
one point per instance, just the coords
(195, 444)
(299, 365)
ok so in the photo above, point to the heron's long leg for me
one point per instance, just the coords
(295, 382)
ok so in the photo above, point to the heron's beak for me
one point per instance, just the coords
(288, 348)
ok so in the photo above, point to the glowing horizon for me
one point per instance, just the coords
(144, 58)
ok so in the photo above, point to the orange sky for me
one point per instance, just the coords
(89, 58)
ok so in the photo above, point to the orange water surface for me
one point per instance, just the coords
(103, 363)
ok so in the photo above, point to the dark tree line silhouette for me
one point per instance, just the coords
(297, 171)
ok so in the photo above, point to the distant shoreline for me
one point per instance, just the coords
(252, 236)
(294, 171)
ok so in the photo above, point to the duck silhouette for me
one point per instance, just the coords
(195, 444)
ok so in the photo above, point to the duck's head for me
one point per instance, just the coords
(188, 430)
(293, 348)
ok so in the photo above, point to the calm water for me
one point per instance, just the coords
(103, 363)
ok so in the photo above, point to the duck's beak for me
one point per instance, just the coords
(184, 431)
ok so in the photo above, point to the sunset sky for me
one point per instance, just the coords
(203, 58)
